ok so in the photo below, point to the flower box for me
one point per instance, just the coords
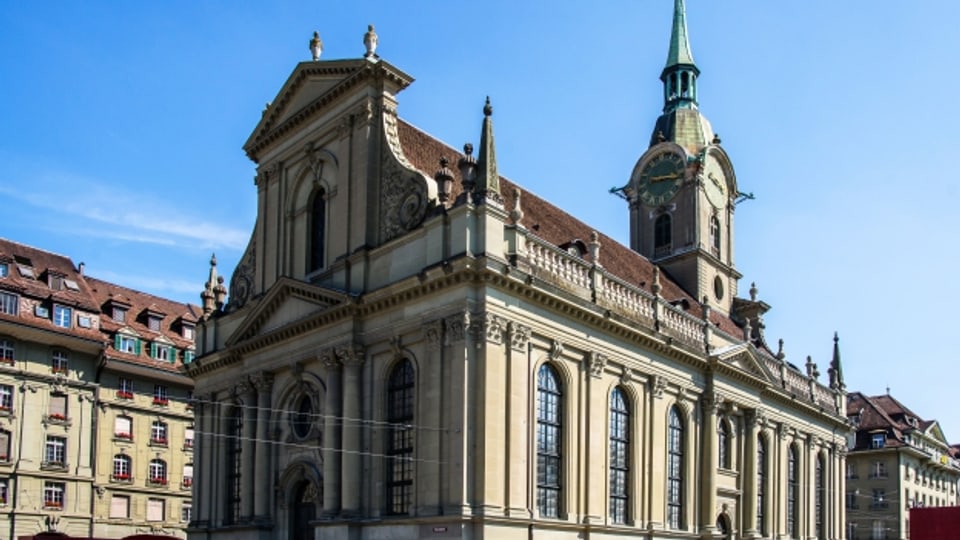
(59, 370)
(159, 481)
(187, 482)
(121, 477)
(124, 395)
(159, 441)
(57, 416)
(161, 401)
(53, 505)
(127, 436)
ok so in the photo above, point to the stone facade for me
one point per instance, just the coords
(60, 397)
(411, 351)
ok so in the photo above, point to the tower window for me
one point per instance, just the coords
(715, 235)
(318, 232)
(549, 444)
(662, 235)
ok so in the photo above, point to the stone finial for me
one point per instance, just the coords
(316, 46)
(370, 41)
(836, 368)
(655, 287)
(780, 354)
(208, 295)
(753, 291)
(716, 138)
(517, 213)
(660, 136)
(444, 178)
(595, 247)
(812, 368)
(468, 169)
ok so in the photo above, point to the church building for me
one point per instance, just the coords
(412, 347)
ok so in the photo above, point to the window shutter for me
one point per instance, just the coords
(58, 405)
(136, 347)
(188, 471)
(4, 444)
(119, 506)
(116, 341)
(172, 354)
(153, 350)
(154, 509)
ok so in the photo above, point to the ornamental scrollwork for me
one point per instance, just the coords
(456, 327)
(519, 335)
(598, 362)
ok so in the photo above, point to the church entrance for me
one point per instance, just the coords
(303, 509)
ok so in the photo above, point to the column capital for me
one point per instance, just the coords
(657, 385)
(329, 360)
(755, 418)
(489, 327)
(598, 362)
(519, 335)
(711, 402)
(351, 355)
(456, 327)
(262, 381)
(433, 334)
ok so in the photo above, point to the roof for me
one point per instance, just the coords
(679, 53)
(556, 226)
(885, 413)
(24, 260)
(139, 305)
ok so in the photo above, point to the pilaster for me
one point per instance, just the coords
(248, 395)
(710, 403)
(352, 357)
(517, 423)
(750, 526)
(331, 435)
(489, 464)
(263, 382)
(431, 403)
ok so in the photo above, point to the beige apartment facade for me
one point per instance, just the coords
(415, 348)
(60, 399)
(896, 461)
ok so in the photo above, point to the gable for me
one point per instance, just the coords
(741, 358)
(287, 302)
(935, 432)
(312, 87)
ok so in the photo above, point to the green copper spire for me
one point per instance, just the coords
(679, 41)
(680, 74)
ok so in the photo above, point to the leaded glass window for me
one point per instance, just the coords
(619, 455)
(549, 442)
(675, 458)
(400, 416)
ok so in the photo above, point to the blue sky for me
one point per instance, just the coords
(122, 126)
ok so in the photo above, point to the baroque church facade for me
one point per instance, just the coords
(414, 348)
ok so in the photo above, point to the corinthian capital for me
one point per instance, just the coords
(262, 381)
(350, 355)
(519, 335)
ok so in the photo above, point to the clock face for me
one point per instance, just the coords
(715, 183)
(660, 178)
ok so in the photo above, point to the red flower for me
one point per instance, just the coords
(160, 401)
(124, 395)
(128, 436)
(57, 416)
(187, 482)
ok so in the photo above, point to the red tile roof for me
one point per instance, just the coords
(555, 225)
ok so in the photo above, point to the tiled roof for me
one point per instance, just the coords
(140, 303)
(884, 412)
(555, 225)
(37, 289)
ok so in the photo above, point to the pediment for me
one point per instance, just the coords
(935, 432)
(743, 358)
(310, 89)
(287, 302)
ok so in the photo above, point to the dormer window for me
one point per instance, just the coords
(153, 323)
(878, 440)
(62, 316)
(127, 344)
(187, 332)
(55, 280)
(4, 269)
(119, 314)
(25, 266)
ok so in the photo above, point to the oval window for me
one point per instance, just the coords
(718, 288)
(303, 418)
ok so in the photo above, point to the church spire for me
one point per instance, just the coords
(836, 369)
(680, 74)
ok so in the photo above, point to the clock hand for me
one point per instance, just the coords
(655, 179)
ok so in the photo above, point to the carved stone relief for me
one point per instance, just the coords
(519, 335)
(242, 280)
(598, 362)
(456, 327)
(404, 192)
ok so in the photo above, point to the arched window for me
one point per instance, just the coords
(400, 402)
(122, 467)
(819, 496)
(7, 351)
(549, 442)
(723, 444)
(619, 455)
(675, 456)
(158, 432)
(318, 230)
(792, 491)
(158, 471)
(303, 418)
(761, 484)
(662, 233)
(715, 234)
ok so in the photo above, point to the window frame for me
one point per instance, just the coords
(663, 234)
(7, 392)
(793, 487)
(619, 440)
(157, 471)
(676, 461)
(9, 303)
(54, 495)
(59, 362)
(401, 444)
(55, 451)
(761, 484)
(550, 443)
(159, 432)
(318, 231)
(62, 316)
(122, 468)
(113, 507)
(8, 351)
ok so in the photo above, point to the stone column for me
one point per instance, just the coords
(708, 472)
(263, 382)
(750, 526)
(352, 358)
(429, 409)
(331, 436)
(248, 395)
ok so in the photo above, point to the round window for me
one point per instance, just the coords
(718, 287)
(303, 417)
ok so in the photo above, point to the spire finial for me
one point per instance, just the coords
(679, 53)
(489, 178)
(753, 291)
(316, 46)
(680, 74)
(836, 368)
(370, 41)
(208, 296)
(655, 288)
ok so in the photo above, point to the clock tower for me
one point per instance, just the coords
(683, 188)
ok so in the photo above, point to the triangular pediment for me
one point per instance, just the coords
(311, 89)
(289, 301)
(934, 431)
(743, 358)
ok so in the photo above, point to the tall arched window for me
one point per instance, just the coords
(619, 455)
(792, 491)
(549, 442)
(400, 415)
(318, 230)
(723, 444)
(675, 469)
(819, 495)
(761, 484)
(715, 234)
(662, 233)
